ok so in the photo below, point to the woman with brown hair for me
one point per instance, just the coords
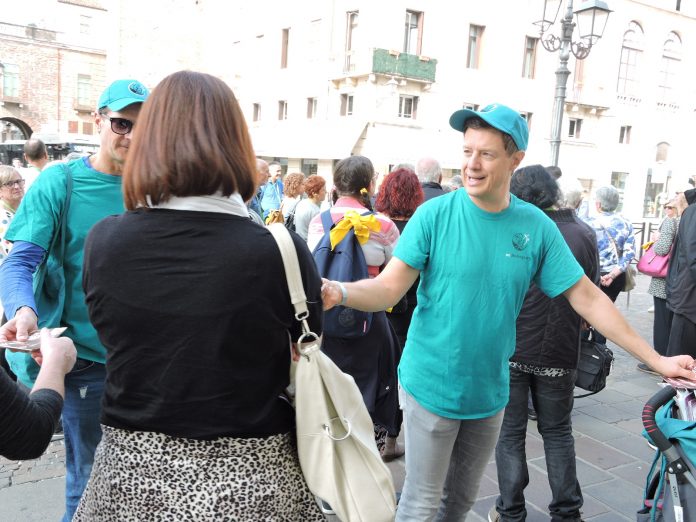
(195, 421)
(315, 188)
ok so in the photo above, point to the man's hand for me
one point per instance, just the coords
(57, 353)
(677, 366)
(330, 293)
(23, 324)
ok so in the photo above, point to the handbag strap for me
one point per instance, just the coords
(288, 253)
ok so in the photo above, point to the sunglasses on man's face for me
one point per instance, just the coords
(120, 126)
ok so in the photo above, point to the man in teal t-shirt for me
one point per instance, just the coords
(477, 251)
(95, 194)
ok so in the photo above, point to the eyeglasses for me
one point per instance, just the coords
(12, 183)
(667, 207)
(120, 126)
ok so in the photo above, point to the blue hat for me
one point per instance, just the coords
(498, 116)
(123, 93)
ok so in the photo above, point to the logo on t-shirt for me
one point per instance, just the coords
(520, 241)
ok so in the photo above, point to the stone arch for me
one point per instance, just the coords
(22, 126)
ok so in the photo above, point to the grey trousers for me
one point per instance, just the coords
(445, 460)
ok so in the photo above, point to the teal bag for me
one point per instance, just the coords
(49, 291)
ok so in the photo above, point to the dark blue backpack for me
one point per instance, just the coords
(345, 263)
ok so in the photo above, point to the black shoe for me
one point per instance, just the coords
(531, 414)
(642, 367)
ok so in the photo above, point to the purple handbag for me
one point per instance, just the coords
(653, 265)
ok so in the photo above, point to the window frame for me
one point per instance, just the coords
(473, 55)
(412, 112)
(574, 128)
(311, 108)
(347, 104)
(628, 79)
(84, 90)
(410, 28)
(529, 57)
(282, 110)
(10, 80)
(284, 46)
(625, 134)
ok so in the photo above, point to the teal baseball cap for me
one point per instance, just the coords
(499, 117)
(122, 93)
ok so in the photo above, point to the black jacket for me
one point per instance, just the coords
(431, 190)
(681, 278)
(548, 330)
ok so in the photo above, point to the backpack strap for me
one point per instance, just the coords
(327, 221)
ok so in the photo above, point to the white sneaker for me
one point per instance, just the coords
(493, 515)
(651, 310)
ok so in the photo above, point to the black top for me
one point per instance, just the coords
(431, 190)
(27, 422)
(548, 330)
(194, 312)
(681, 277)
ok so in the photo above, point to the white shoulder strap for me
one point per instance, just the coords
(292, 269)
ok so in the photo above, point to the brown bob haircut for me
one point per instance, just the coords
(191, 140)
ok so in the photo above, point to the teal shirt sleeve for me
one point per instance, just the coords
(38, 215)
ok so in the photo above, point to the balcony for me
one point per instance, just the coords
(370, 62)
(403, 65)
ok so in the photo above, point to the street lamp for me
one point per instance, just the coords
(591, 19)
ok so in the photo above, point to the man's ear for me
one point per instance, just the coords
(517, 158)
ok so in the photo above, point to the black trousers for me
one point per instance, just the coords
(662, 323)
(682, 337)
(612, 291)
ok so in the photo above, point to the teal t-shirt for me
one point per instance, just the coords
(476, 268)
(95, 195)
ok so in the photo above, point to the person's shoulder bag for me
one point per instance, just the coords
(335, 436)
(654, 265)
(595, 362)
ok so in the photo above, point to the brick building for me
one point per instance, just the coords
(52, 69)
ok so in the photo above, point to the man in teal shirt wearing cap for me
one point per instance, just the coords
(95, 193)
(476, 251)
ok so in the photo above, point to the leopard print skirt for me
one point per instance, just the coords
(139, 476)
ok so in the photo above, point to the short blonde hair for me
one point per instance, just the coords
(293, 184)
(6, 173)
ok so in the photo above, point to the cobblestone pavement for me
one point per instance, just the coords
(50, 465)
(612, 457)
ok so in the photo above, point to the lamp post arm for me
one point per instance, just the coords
(562, 74)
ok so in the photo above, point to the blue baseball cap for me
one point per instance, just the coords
(499, 117)
(122, 93)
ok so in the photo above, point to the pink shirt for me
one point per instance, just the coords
(378, 249)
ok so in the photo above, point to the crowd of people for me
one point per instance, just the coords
(172, 373)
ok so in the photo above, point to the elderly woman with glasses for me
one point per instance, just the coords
(662, 320)
(11, 194)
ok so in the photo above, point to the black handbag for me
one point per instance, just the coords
(594, 365)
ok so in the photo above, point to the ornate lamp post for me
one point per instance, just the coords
(591, 19)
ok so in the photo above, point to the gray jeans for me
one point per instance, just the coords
(445, 460)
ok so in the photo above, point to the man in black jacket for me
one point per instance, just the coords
(681, 283)
(430, 176)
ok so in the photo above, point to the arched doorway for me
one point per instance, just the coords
(14, 129)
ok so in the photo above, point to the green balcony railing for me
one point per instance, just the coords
(404, 65)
